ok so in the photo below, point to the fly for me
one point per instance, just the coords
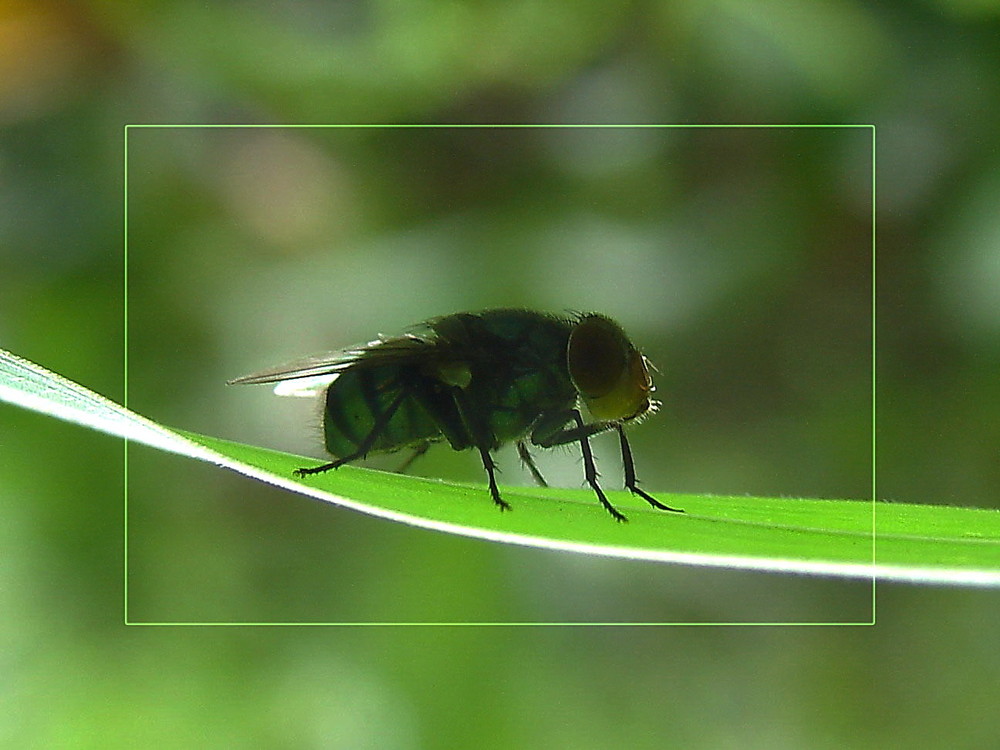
(480, 380)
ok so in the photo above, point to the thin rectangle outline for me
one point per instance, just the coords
(874, 496)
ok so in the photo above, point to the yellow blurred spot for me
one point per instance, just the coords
(42, 46)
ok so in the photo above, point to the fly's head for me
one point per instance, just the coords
(607, 370)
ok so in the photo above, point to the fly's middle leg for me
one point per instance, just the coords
(490, 467)
(527, 460)
(478, 435)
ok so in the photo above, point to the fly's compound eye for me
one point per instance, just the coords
(606, 369)
(596, 356)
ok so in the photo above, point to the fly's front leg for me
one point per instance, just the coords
(549, 429)
(630, 481)
(547, 433)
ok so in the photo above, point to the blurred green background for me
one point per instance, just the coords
(738, 259)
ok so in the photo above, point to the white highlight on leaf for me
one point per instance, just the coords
(26, 384)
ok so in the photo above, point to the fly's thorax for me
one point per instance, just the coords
(509, 366)
(607, 370)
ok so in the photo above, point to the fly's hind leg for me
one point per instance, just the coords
(325, 467)
(417, 453)
(529, 461)
(364, 447)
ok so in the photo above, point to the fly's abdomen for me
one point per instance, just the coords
(375, 399)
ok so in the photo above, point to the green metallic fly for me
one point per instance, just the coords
(479, 380)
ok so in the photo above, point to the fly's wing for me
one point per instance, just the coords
(308, 376)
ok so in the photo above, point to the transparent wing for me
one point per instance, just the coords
(304, 377)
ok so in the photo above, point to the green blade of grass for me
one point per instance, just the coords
(930, 544)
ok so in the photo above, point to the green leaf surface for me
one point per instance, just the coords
(920, 543)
